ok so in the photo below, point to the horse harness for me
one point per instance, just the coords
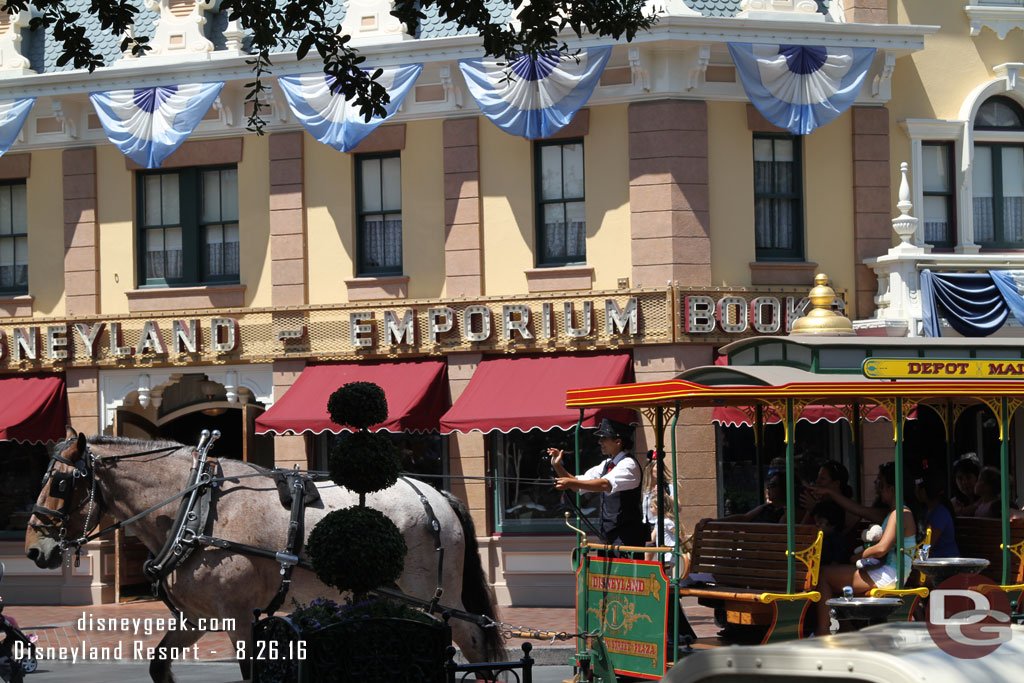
(295, 489)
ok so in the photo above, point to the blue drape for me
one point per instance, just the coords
(971, 303)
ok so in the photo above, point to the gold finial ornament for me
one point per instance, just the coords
(821, 319)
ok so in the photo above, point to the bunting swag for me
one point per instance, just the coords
(799, 87)
(974, 304)
(541, 96)
(12, 117)
(148, 124)
(333, 120)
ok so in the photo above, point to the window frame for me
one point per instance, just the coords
(362, 270)
(16, 289)
(950, 194)
(797, 251)
(539, 202)
(190, 195)
(998, 243)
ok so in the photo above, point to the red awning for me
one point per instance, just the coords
(417, 394)
(33, 409)
(528, 392)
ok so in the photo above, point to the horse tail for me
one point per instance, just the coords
(477, 597)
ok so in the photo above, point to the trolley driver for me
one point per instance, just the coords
(617, 479)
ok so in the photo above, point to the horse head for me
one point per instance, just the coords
(68, 507)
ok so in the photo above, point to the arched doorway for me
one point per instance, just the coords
(179, 410)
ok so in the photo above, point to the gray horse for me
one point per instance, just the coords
(221, 584)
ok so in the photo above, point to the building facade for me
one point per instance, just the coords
(666, 220)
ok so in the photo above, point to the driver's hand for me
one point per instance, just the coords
(555, 455)
(564, 483)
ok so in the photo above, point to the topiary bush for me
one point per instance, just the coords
(364, 462)
(357, 548)
(358, 404)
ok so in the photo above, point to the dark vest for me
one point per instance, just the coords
(621, 518)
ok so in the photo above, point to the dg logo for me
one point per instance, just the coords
(969, 616)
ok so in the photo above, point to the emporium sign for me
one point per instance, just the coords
(545, 322)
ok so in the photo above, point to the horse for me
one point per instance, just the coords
(218, 584)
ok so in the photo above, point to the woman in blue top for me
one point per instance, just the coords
(833, 578)
(931, 492)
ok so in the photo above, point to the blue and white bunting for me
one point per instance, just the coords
(333, 120)
(148, 124)
(542, 95)
(12, 117)
(799, 87)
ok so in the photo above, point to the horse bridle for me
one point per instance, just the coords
(62, 486)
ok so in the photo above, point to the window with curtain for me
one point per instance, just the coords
(998, 177)
(379, 214)
(939, 212)
(188, 226)
(778, 198)
(422, 456)
(561, 210)
(13, 238)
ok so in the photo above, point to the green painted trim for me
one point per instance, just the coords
(788, 618)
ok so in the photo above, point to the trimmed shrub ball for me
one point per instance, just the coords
(364, 462)
(357, 549)
(358, 404)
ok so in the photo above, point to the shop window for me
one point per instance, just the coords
(422, 456)
(13, 238)
(188, 226)
(778, 198)
(561, 209)
(21, 471)
(526, 498)
(379, 214)
(939, 210)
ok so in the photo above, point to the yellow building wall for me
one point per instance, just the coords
(828, 203)
(423, 208)
(329, 188)
(115, 212)
(507, 188)
(254, 220)
(46, 233)
(731, 193)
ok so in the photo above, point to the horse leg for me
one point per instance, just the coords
(243, 635)
(160, 667)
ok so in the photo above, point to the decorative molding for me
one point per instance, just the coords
(378, 288)
(452, 92)
(11, 58)
(223, 111)
(66, 113)
(234, 35)
(837, 11)
(999, 19)
(638, 67)
(780, 10)
(1010, 72)
(180, 26)
(174, 298)
(372, 19)
(698, 70)
(881, 86)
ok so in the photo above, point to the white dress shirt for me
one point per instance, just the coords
(623, 476)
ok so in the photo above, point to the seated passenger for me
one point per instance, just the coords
(774, 510)
(965, 473)
(835, 577)
(931, 492)
(829, 517)
(987, 503)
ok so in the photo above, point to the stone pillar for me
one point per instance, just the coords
(867, 11)
(463, 252)
(81, 232)
(84, 399)
(668, 193)
(288, 450)
(467, 452)
(695, 435)
(872, 203)
(287, 221)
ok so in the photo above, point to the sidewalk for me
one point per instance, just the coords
(69, 627)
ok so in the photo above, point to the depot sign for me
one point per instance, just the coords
(902, 368)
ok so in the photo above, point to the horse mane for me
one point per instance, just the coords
(104, 440)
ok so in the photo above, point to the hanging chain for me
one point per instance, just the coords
(509, 631)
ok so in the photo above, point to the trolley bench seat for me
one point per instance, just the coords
(749, 565)
(982, 537)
